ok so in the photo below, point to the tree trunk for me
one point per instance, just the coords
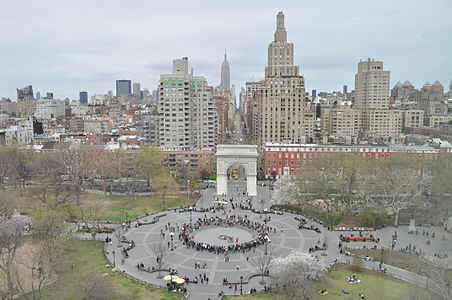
(396, 220)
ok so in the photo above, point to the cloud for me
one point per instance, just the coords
(73, 45)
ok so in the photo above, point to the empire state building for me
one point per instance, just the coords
(225, 74)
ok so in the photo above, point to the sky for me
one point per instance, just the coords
(68, 46)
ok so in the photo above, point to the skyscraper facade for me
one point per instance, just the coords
(450, 90)
(371, 85)
(345, 89)
(123, 87)
(136, 89)
(372, 97)
(314, 94)
(225, 74)
(280, 99)
(188, 117)
(83, 96)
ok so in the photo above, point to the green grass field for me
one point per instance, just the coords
(114, 208)
(373, 285)
(120, 208)
(87, 259)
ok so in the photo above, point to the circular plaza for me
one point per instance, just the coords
(213, 248)
(213, 244)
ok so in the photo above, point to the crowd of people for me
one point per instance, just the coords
(186, 234)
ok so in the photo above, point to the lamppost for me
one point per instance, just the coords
(241, 285)
(191, 212)
(188, 190)
(114, 259)
(171, 236)
(266, 243)
(382, 256)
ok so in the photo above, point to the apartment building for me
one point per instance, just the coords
(188, 116)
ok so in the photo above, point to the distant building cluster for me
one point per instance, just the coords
(278, 110)
(187, 117)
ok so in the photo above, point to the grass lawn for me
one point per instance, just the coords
(373, 286)
(88, 258)
(116, 207)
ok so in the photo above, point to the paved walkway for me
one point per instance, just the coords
(287, 238)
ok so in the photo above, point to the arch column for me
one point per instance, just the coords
(222, 184)
(251, 185)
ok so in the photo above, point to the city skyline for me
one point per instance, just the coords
(65, 56)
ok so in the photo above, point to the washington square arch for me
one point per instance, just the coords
(241, 155)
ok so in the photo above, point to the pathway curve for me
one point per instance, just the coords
(282, 242)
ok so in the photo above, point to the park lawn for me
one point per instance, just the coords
(118, 208)
(373, 285)
(248, 297)
(88, 258)
(114, 208)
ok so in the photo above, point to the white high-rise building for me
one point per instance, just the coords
(371, 85)
(188, 117)
(372, 97)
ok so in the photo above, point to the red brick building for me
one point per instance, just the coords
(286, 159)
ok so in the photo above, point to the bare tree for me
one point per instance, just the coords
(357, 263)
(262, 264)
(6, 154)
(91, 217)
(349, 169)
(80, 168)
(398, 183)
(45, 260)
(294, 275)
(44, 263)
(50, 171)
(109, 169)
(21, 163)
(119, 233)
(440, 280)
(11, 235)
(163, 185)
(7, 205)
(95, 287)
(161, 256)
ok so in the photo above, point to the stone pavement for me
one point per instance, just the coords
(287, 238)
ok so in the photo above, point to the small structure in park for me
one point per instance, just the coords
(243, 155)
